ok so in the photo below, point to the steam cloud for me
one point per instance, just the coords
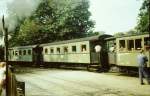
(15, 10)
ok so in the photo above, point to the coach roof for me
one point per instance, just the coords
(23, 47)
(91, 38)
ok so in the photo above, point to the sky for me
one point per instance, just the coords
(3, 5)
(112, 16)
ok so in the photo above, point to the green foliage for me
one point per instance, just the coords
(143, 20)
(130, 32)
(55, 20)
(77, 23)
(119, 34)
(91, 33)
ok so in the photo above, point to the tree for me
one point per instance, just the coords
(131, 32)
(119, 34)
(77, 23)
(53, 21)
(143, 18)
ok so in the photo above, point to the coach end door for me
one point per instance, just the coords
(37, 56)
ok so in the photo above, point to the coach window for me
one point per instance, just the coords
(20, 52)
(130, 45)
(24, 52)
(13, 52)
(52, 50)
(16, 53)
(29, 52)
(74, 49)
(122, 45)
(147, 43)
(111, 46)
(58, 50)
(46, 50)
(83, 48)
(65, 49)
(138, 44)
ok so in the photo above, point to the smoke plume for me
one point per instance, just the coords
(16, 10)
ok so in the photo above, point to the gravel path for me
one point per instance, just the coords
(58, 82)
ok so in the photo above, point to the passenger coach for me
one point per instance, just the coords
(73, 52)
(123, 51)
(21, 53)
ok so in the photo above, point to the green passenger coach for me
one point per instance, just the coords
(123, 51)
(21, 53)
(73, 52)
(103, 51)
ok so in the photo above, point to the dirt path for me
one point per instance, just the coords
(56, 82)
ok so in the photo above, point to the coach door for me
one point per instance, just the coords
(95, 52)
(111, 50)
(37, 56)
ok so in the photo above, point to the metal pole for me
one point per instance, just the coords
(5, 40)
(5, 31)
